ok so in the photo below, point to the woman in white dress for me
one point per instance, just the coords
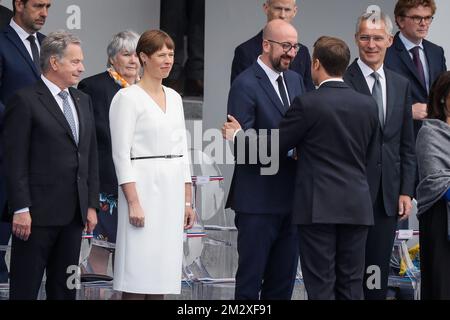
(149, 148)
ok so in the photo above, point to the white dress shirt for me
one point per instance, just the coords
(367, 71)
(409, 45)
(23, 35)
(273, 76)
(54, 89)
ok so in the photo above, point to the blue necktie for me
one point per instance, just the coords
(67, 110)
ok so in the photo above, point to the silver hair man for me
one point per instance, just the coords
(376, 17)
(55, 45)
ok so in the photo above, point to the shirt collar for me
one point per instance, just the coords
(54, 89)
(272, 74)
(331, 80)
(408, 44)
(367, 71)
(23, 35)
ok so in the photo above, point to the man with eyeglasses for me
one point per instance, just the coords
(391, 167)
(247, 53)
(412, 56)
(267, 241)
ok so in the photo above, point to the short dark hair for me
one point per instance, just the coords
(437, 107)
(152, 41)
(333, 54)
(14, 4)
(404, 5)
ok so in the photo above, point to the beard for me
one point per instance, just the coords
(277, 65)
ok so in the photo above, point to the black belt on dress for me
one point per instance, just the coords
(169, 156)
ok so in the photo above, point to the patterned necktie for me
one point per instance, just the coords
(67, 110)
(377, 94)
(418, 63)
(34, 52)
(282, 90)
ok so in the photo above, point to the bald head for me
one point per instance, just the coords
(280, 45)
(279, 30)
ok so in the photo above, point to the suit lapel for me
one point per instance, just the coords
(429, 55)
(357, 79)
(390, 96)
(53, 108)
(293, 86)
(268, 88)
(359, 83)
(12, 35)
(406, 58)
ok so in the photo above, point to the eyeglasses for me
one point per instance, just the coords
(419, 19)
(287, 46)
(366, 38)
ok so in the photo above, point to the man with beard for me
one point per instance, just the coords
(267, 241)
(19, 67)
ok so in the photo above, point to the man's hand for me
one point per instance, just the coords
(404, 207)
(21, 225)
(136, 214)
(419, 111)
(189, 218)
(230, 127)
(91, 221)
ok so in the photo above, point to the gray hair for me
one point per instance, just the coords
(381, 16)
(55, 44)
(125, 40)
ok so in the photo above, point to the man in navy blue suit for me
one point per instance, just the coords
(415, 58)
(246, 53)
(334, 128)
(267, 240)
(391, 168)
(19, 68)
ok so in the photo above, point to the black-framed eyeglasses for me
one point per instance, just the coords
(419, 19)
(287, 46)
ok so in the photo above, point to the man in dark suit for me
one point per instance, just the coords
(391, 169)
(19, 67)
(52, 172)
(5, 16)
(418, 60)
(267, 242)
(247, 53)
(333, 129)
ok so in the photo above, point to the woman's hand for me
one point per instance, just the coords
(136, 215)
(189, 217)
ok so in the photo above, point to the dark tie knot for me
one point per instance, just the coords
(280, 79)
(415, 50)
(31, 38)
(63, 95)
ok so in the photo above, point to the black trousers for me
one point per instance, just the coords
(332, 260)
(268, 256)
(52, 249)
(379, 250)
(180, 18)
(435, 253)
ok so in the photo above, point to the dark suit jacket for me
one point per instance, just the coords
(333, 129)
(45, 169)
(102, 88)
(399, 60)
(394, 164)
(255, 104)
(17, 71)
(247, 53)
(5, 16)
